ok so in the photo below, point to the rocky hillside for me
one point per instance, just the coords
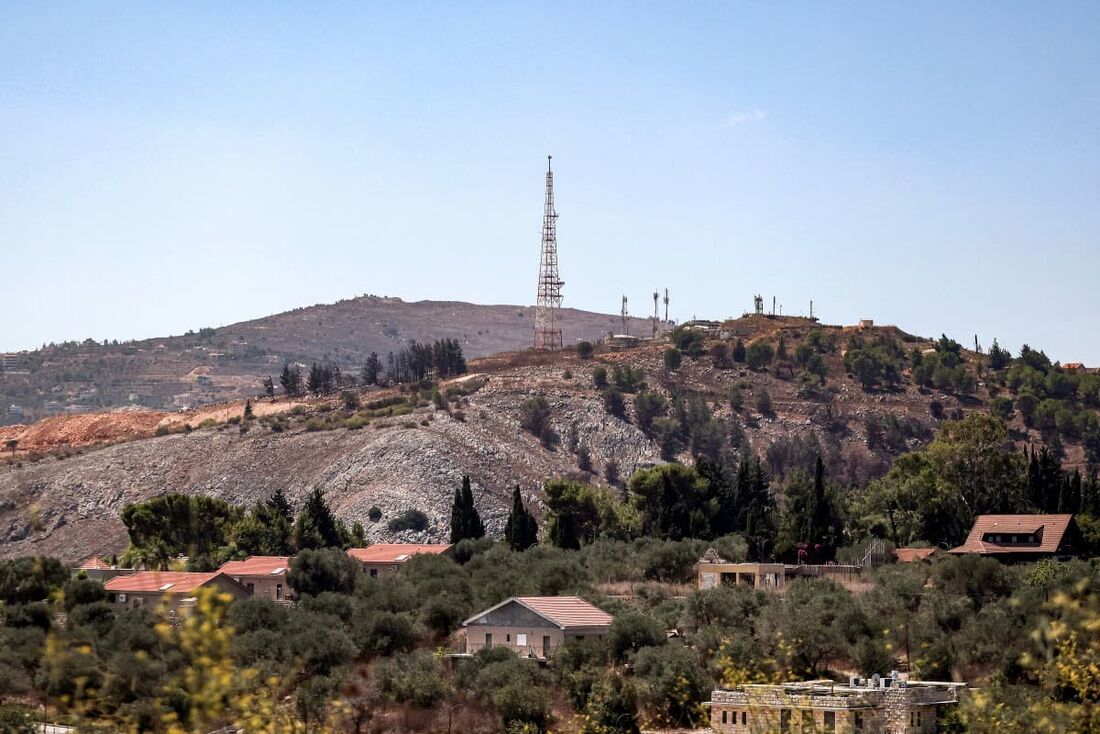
(399, 451)
(226, 363)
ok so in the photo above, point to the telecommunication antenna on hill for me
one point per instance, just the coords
(666, 305)
(758, 304)
(656, 297)
(623, 314)
(547, 324)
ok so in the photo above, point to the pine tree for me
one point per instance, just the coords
(291, 379)
(372, 370)
(521, 531)
(316, 526)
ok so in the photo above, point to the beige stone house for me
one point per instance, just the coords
(174, 591)
(536, 626)
(383, 558)
(263, 576)
(873, 705)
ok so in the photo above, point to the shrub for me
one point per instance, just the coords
(764, 403)
(631, 632)
(599, 378)
(412, 519)
(759, 355)
(585, 350)
(535, 415)
(613, 402)
(314, 572)
(673, 358)
(374, 513)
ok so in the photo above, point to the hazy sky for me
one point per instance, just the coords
(936, 165)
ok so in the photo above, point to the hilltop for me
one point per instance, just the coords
(64, 486)
(226, 363)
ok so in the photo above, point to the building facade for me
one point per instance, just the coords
(536, 626)
(263, 576)
(1022, 538)
(873, 705)
(172, 591)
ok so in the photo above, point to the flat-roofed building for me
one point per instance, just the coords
(536, 626)
(864, 705)
(383, 558)
(263, 576)
(174, 590)
(99, 569)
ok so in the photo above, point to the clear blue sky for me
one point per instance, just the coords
(166, 166)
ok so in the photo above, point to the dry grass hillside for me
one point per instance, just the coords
(63, 487)
(213, 365)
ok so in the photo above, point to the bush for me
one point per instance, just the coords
(759, 355)
(535, 416)
(314, 572)
(628, 379)
(585, 350)
(613, 402)
(415, 677)
(374, 514)
(599, 378)
(632, 631)
(673, 358)
(764, 403)
(411, 519)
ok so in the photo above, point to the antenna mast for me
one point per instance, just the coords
(666, 305)
(623, 314)
(547, 322)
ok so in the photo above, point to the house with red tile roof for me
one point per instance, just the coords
(383, 558)
(99, 569)
(263, 576)
(536, 626)
(175, 590)
(1022, 537)
(913, 555)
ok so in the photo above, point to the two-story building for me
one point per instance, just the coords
(383, 558)
(263, 576)
(875, 705)
(1022, 537)
(175, 591)
(536, 626)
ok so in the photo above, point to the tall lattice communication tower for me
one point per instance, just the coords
(547, 323)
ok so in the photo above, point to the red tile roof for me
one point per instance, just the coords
(166, 582)
(95, 563)
(257, 566)
(912, 555)
(567, 612)
(1053, 527)
(396, 552)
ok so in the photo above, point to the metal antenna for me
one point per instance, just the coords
(666, 305)
(624, 317)
(547, 322)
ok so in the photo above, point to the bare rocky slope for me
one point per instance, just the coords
(66, 503)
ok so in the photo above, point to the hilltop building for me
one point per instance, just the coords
(384, 558)
(713, 571)
(869, 705)
(1022, 537)
(101, 570)
(536, 626)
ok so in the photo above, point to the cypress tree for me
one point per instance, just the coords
(465, 520)
(521, 530)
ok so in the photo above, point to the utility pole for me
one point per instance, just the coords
(623, 314)
(547, 325)
(656, 296)
(666, 305)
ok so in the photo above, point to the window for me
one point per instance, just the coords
(807, 720)
(546, 644)
(251, 588)
(784, 721)
(830, 721)
(278, 591)
(579, 637)
(919, 722)
(508, 637)
(744, 718)
(857, 720)
(121, 598)
(374, 573)
(488, 639)
(724, 717)
(521, 640)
